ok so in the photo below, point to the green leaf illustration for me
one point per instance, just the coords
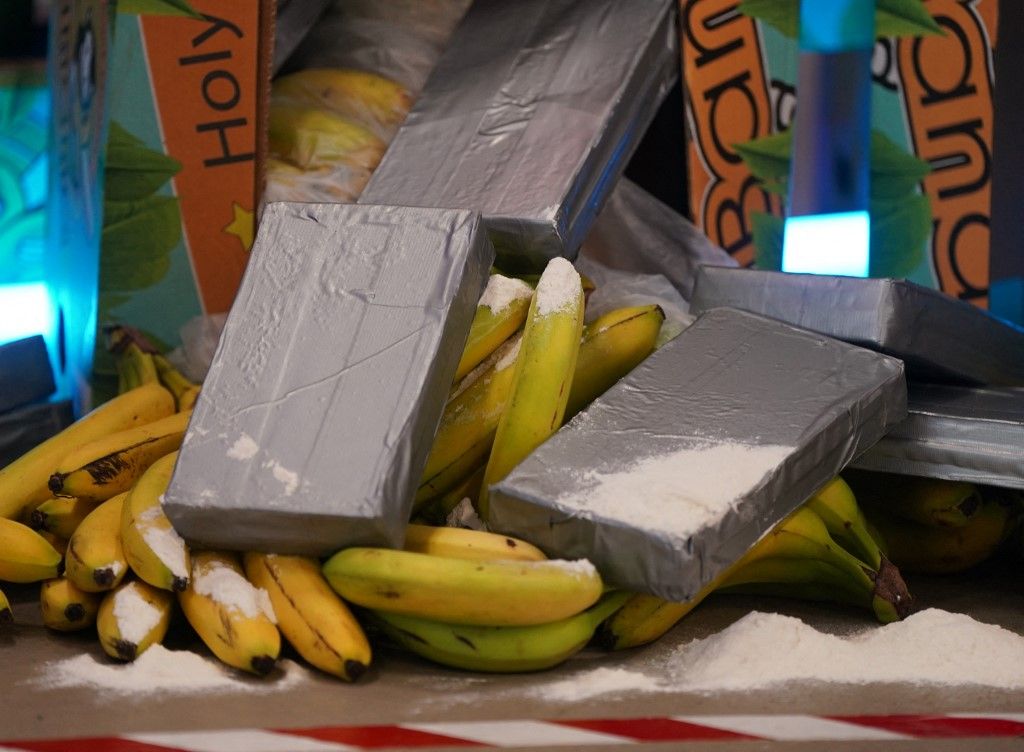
(133, 170)
(893, 18)
(767, 230)
(158, 8)
(899, 231)
(767, 157)
(136, 242)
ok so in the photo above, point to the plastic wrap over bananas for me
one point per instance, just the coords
(940, 339)
(959, 433)
(671, 475)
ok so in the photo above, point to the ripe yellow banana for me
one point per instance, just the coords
(185, 392)
(500, 313)
(837, 507)
(461, 543)
(60, 545)
(926, 501)
(61, 515)
(66, 608)
(132, 617)
(111, 465)
(233, 618)
(941, 550)
(95, 560)
(23, 483)
(463, 591)
(357, 94)
(310, 138)
(6, 614)
(154, 550)
(25, 556)
(311, 616)
(543, 373)
(499, 649)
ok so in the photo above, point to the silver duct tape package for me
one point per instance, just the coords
(973, 434)
(937, 337)
(316, 417)
(530, 117)
(672, 474)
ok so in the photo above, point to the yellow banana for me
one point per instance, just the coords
(233, 618)
(837, 507)
(111, 465)
(498, 649)
(23, 483)
(463, 591)
(154, 550)
(310, 138)
(942, 550)
(926, 501)
(543, 373)
(357, 94)
(65, 607)
(499, 314)
(60, 545)
(310, 614)
(132, 617)
(461, 543)
(185, 392)
(61, 515)
(25, 556)
(95, 560)
(6, 614)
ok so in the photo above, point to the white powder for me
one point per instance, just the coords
(244, 448)
(162, 670)
(579, 567)
(509, 353)
(135, 615)
(163, 539)
(678, 493)
(464, 515)
(502, 291)
(226, 586)
(558, 287)
(598, 681)
(284, 475)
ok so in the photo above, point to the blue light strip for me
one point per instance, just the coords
(827, 244)
(26, 309)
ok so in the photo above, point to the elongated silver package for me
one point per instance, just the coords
(317, 414)
(672, 474)
(530, 116)
(973, 434)
(937, 337)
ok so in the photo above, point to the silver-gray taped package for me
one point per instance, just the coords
(315, 420)
(530, 117)
(973, 434)
(939, 338)
(672, 474)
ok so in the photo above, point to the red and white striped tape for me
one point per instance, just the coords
(551, 733)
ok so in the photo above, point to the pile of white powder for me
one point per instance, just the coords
(502, 291)
(558, 287)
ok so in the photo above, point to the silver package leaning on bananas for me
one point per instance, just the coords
(672, 474)
(937, 337)
(314, 422)
(530, 116)
(973, 434)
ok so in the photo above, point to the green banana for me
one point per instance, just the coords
(25, 556)
(498, 649)
(65, 607)
(132, 617)
(926, 501)
(61, 515)
(460, 590)
(838, 509)
(543, 373)
(499, 314)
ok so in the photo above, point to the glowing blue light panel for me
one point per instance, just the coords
(26, 309)
(827, 244)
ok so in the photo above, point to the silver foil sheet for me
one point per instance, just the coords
(939, 338)
(672, 474)
(530, 117)
(315, 419)
(973, 434)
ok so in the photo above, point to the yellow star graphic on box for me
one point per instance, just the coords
(242, 226)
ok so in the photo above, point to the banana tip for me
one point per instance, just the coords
(6, 616)
(178, 584)
(125, 650)
(263, 664)
(55, 483)
(354, 669)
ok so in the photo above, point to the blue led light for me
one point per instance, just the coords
(25, 310)
(827, 244)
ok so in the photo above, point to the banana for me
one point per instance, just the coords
(25, 556)
(95, 559)
(132, 617)
(23, 483)
(543, 373)
(6, 614)
(61, 515)
(111, 465)
(460, 590)
(926, 501)
(942, 550)
(60, 545)
(185, 392)
(498, 649)
(643, 619)
(790, 576)
(310, 138)
(233, 618)
(499, 314)
(435, 510)
(838, 509)
(804, 591)
(351, 92)
(613, 345)
(155, 552)
(66, 608)
(461, 543)
(311, 616)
